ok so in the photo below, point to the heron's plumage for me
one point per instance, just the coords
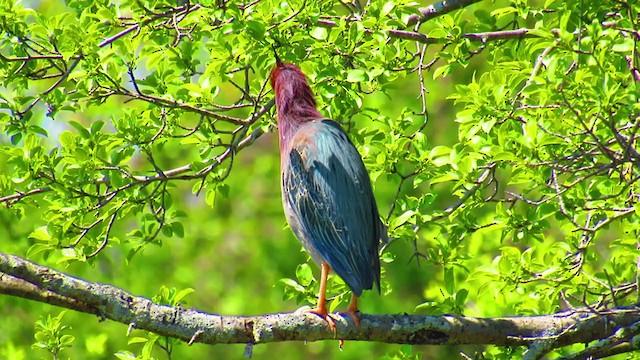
(329, 203)
(326, 190)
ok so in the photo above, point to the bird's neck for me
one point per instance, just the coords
(288, 125)
(296, 106)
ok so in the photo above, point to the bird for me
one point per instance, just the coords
(326, 191)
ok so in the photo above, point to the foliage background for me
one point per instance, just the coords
(501, 181)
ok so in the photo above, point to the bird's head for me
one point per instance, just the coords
(293, 94)
(284, 73)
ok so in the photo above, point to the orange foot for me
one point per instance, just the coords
(352, 310)
(354, 315)
(323, 313)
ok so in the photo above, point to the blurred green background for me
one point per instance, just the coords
(233, 254)
(235, 251)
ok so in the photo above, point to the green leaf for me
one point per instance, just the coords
(66, 138)
(441, 71)
(96, 126)
(125, 355)
(293, 285)
(136, 340)
(256, 29)
(15, 139)
(624, 46)
(386, 8)
(304, 274)
(356, 75)
(40, 234)
(407, 216)
(181, 294)
(461, 297)
(39, 130)
(82, 131)
(178, 229)
(449, 281)
(319, 33)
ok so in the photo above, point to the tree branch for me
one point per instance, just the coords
(179, 173)
(25, 279)
(177, 104)
(10, 285)
(185, 9)
(482, 37)
(498, 35)
(397, 34)
(438, 9)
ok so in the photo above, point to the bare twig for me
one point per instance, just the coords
(438, 9)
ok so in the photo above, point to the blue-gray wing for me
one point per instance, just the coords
(330, 203)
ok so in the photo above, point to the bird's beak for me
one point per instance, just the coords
(275, 53)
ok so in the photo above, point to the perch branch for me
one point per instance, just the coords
(25, 279)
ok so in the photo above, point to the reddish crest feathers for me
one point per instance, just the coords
(294, 101)
(294, 98)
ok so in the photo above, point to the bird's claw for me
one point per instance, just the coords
(353, 314)
(324, 315)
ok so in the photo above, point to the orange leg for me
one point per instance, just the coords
(321, 309)
(352, 310)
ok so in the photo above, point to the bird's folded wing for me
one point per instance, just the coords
(330, 194)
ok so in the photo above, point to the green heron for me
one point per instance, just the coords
(326, 191)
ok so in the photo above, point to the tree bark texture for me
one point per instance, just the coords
(25, 279)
